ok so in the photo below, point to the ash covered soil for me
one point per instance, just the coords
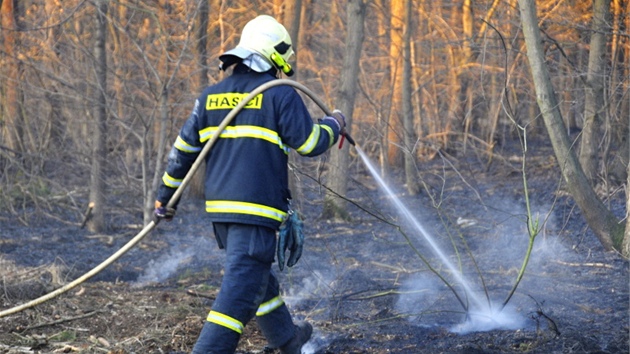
(363, 283)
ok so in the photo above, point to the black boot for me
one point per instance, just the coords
(303, 331)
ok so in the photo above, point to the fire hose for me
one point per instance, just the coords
(152, 224)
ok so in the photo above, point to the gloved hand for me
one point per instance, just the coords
(162, 212)
(337, 117)
(290, 237)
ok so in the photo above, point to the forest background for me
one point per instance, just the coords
(93, 92)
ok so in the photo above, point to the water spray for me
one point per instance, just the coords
(178, 193)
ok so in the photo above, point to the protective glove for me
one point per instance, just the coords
(290, 237)
(339, 118)
(162, 212)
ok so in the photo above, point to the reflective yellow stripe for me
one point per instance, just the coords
(269, 306)
(331, 134)
(207, 133)
(244, 131)
(225, 321)
(311, 142)
(170, 181)
(181, 145)
(228, 206)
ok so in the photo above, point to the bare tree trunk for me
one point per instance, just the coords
(202, 43)
(417, 63)
(339, 159)
(603, 222)
(467, 26)
(594, 110)
(161, 146)
(625, 245)
(99, 149)
(619, 87)
(394, 132)
(57, 120)
(291, 20)
(197, 184)
(11, 115)
(385, 100)
(617, 168)
(411, 175)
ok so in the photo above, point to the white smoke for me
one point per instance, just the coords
(507, 319)
(169, 263)
(316, 288)
(319, 284)
(164, 266)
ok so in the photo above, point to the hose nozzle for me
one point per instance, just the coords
(344, 135)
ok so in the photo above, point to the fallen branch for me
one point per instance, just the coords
(597, 265)
(67, 349)
(395, 269)
(390, 292)
(198, 294)
(62, 320)
(13, 349)
(88, 214)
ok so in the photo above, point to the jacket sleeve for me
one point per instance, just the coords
(297, 129)
(181, 157)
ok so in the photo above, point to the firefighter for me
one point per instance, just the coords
(246, 183)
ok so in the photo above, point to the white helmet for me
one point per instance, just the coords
(266, 37)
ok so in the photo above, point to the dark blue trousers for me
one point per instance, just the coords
(249, 289)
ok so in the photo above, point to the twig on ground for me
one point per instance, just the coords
(62, 320)
(395, 269)
(390, 292)
(67, 349)
(88, 214)
(13, 349)
(597, 265)
(198, 294)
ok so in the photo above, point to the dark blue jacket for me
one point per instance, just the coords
(247, 173)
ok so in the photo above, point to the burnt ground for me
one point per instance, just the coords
(361, 282)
